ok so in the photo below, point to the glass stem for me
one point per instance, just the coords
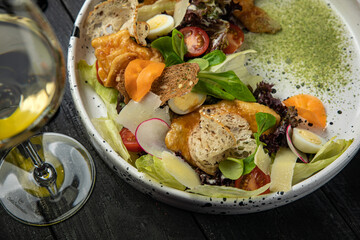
(44, 173)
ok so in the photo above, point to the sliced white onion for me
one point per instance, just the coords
(150, 134)
(300, 155)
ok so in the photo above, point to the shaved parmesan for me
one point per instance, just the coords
(180, 170)
(282, 170)
(180, 11)
(175, 8)
(135, 113)
(262, 160)
(146, 12)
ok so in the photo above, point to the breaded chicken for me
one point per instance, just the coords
(254, 18)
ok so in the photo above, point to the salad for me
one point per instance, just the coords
(183, 108)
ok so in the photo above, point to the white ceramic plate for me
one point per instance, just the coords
(345, 125)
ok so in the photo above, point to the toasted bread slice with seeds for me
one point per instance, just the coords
(210, 135)
(115, 15)
(109, 16)
(175, 81)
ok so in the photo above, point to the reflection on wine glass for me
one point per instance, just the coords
(45, 178)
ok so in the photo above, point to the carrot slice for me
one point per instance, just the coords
(139, 76)
(132, 72)
(308, 107)
(146, 77)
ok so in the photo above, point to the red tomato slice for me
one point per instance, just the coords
(129, 140)
(235, 39)
(97, 73)
(196, 40)
(254, 180)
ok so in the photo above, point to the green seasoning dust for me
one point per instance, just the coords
(311, 51)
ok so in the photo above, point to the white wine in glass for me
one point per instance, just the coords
(44, 178)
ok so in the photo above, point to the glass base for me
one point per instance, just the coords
(30, 203)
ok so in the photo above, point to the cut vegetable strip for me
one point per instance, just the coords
(282, 170)
(262, 160)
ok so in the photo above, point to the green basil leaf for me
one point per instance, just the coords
(215, 57)
(212, 89)
(230, 83)
(264, 122)
(249, 163)
(164, 45)
(232, 168)
(178, 43)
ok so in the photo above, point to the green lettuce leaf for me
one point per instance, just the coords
(87, 74)
(212, 89)
(232, 168)
(203, 63)
(154, 167)
(225, 192)
(326, 155)
(215, 57)
(227, 82)
(110, 133)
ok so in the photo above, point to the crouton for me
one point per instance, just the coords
(210, 135)
(114, 15)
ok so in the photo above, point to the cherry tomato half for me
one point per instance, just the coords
(196, 40)
(97, 73)
(254, 180)
(129, 140)
(235, 39)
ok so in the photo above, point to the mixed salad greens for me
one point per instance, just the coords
(136, 130)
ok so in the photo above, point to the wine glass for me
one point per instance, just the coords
(44, 178)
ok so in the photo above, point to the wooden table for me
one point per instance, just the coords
(115, 210)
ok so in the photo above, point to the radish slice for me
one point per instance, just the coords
(150, 134)
(136, 112)
(301, 155)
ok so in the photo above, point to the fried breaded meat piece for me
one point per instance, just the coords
(254, 18)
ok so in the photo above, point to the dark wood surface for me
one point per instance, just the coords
(115, 210)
